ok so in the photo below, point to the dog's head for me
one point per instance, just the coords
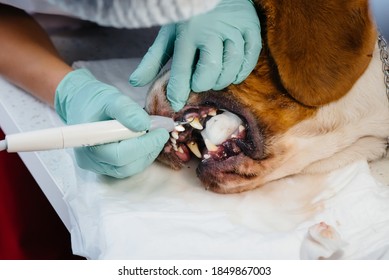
(315, 101)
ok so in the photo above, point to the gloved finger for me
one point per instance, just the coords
(178, 87)
(253, 46)
(156, 57)
(131, 150)
(129, 113)
(135, 167)
(86, 162)
(121, 172)
(209, 65)
(233, 58)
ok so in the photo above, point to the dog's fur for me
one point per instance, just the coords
(315, 101)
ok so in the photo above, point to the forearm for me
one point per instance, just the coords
(27, 56)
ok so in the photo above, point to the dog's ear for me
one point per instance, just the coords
(319, 47)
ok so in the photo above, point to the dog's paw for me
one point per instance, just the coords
(322, 242)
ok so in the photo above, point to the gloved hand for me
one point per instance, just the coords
(81, 98)
(210, 51)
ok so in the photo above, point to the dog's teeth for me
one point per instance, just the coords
(233, 136)
(192, 145)
(241, 128)
(180, 128)
(207, 156)
(180, 150)
(210, 146)
(174, 141)
(175, 147)
(195, 123)
(189, 119)
(174, 134)
(212, 112)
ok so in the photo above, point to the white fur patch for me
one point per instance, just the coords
(352, 128)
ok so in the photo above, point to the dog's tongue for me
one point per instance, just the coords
(221, 127)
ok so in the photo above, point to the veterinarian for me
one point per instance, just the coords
(213, 43)
(226, 33)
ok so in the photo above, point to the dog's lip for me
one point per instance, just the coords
(226, 172)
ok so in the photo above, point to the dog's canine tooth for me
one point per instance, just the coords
(207, 156)
(180, 128)
(175, 147)
(195, 123)
(174, 134)
(241, 128)
(212, 112)
(210, 146)
(192, 145)
(180, 150)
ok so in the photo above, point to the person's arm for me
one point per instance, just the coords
(27, 56)
(29, 60)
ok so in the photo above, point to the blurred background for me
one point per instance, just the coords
(381, 13)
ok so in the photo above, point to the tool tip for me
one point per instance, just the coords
(3, 145)
(183, 122)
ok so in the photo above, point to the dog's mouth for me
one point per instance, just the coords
(214, 134)
(223, 133)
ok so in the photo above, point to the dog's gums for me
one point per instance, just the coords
(211, 134)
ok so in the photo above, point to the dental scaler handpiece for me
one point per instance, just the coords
(88, 134)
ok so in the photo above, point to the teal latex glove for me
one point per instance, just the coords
(81, 98)
(210, 51)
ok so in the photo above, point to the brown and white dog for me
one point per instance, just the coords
(316, 101)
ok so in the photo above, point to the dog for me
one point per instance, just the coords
(316, 101)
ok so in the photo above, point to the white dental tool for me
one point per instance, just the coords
(79, 135)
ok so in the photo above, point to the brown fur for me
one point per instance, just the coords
(321, 47)
(312, 55)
